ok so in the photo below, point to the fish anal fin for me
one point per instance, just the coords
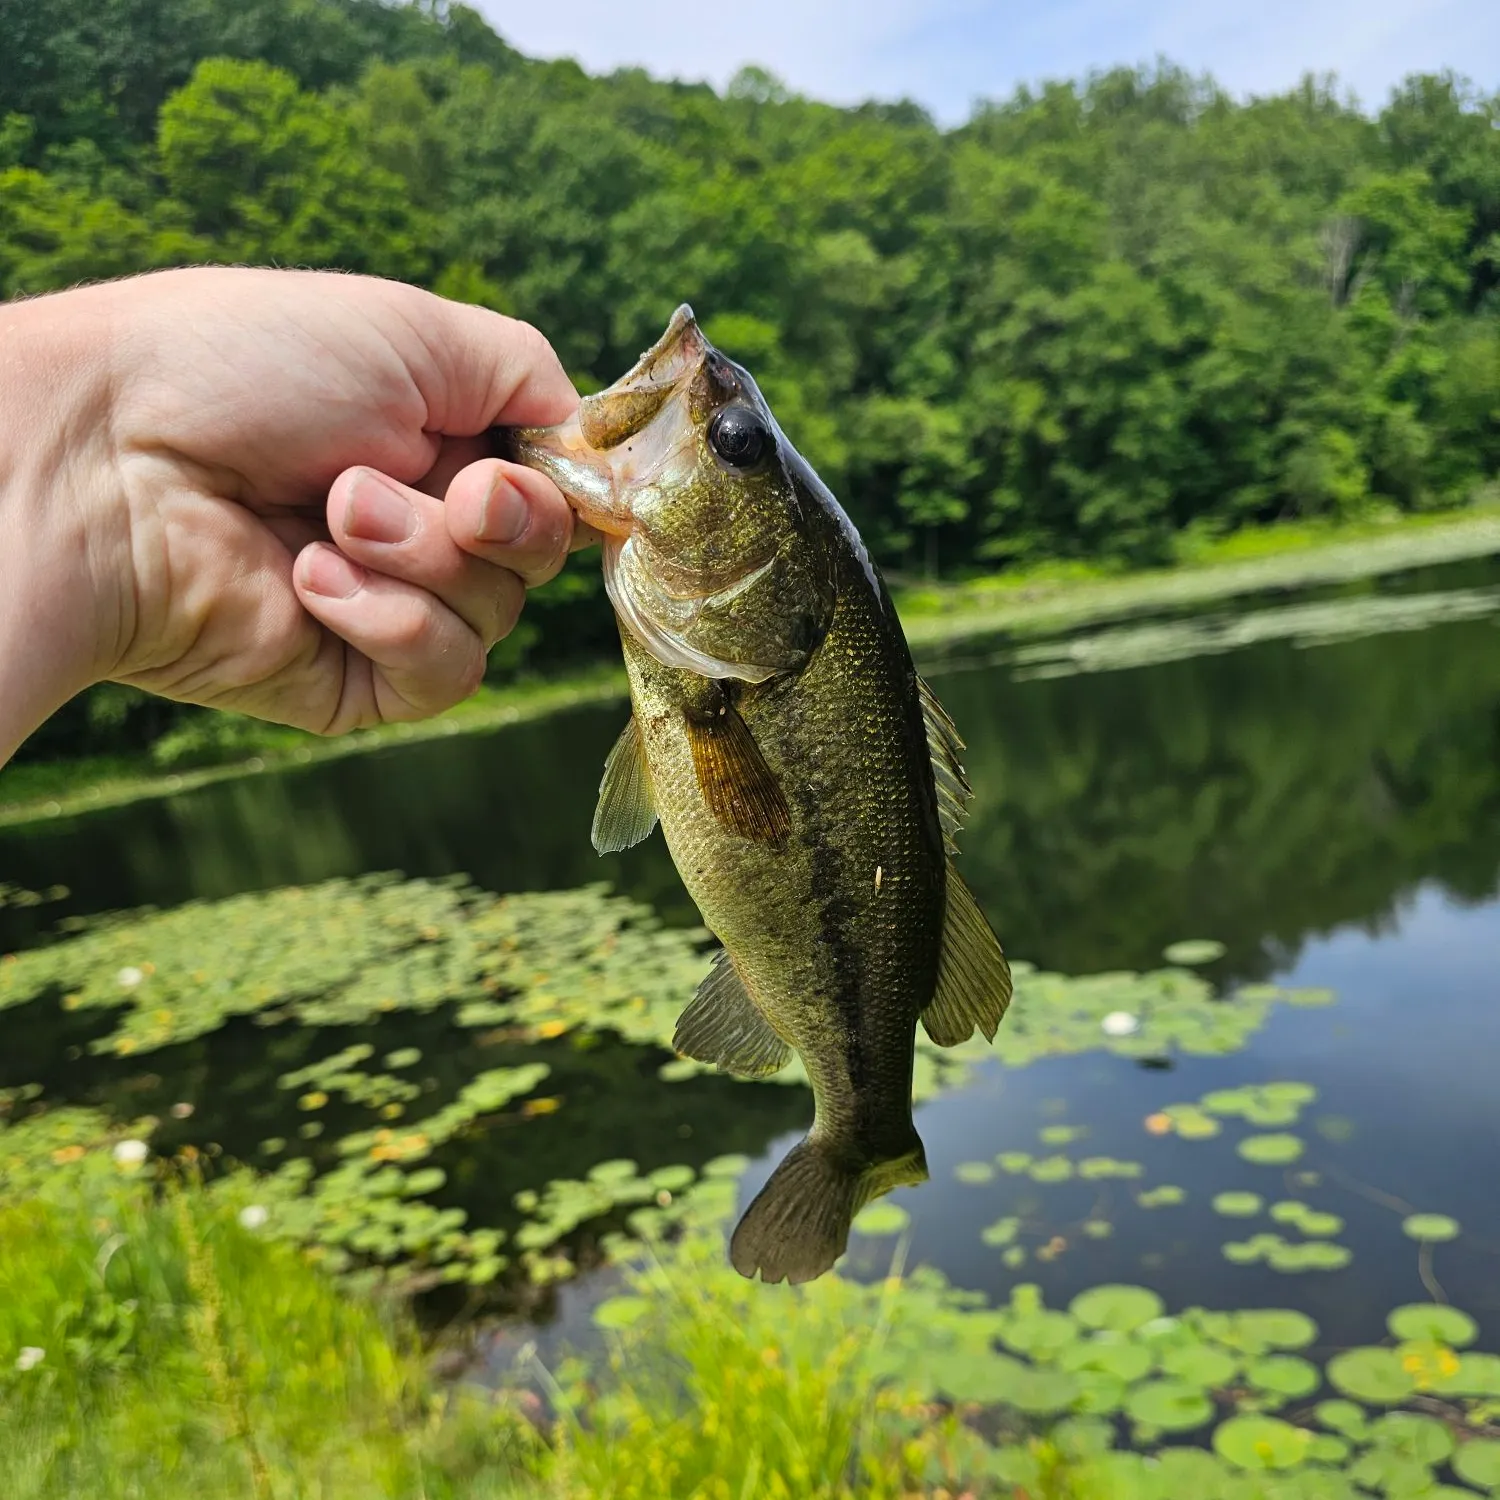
(953, 790)
(626, 812)
(722, 1026)
(973, 985)
(739, 787)
(798, 1224)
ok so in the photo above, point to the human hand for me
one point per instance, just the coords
(267, 491)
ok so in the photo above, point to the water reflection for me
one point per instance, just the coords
(1259, 797)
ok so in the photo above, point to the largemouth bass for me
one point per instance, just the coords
(808, 783)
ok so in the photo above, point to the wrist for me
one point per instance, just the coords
(54, 476)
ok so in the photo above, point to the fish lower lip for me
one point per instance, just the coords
(582, 474)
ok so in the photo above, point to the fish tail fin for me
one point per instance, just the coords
(798, 1224)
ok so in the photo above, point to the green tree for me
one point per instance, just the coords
(269, 172)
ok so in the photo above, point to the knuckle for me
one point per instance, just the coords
(411, 630)
(531, 343)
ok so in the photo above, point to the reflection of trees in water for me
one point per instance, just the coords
(1257, 797)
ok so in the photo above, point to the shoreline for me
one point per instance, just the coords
(1046, 603)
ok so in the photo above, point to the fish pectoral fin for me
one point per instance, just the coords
(946, 749)
(973, 985)
(722, 1026)
(739, 787)
(626, 812)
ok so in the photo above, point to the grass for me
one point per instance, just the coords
(153, 1344)
(1058, 597)
(1042, 600)
(724, 1389)
(156, 1346)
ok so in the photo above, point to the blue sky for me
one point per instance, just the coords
(946, 53)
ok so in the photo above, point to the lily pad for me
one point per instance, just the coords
(1478, 1463)
(1412, 1436)
(1319, 1255)
(1344, 1417)
(1238, 1205)
(1127, 1362)
(1199, 1364)
(1261, 1443)
(1052, 1169)
(1001, 1232)
(974, 1171)
(1428, 1320)
(1194, 951)
(1039, 1333)
(1270, 1150)
(1375, 1376)
(1171, 1405)
(1121, 1309)
(1270, 1328)
(882, 1218)
(1433, 1229)
(1165, 1196)
(1284, 1375)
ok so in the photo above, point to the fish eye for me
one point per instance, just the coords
(738, 436)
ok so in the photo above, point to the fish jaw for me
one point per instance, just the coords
(620, 435)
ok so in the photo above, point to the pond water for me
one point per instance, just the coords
(1324, 803)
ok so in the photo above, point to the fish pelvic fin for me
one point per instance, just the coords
(722, 1026)
(973, 984)
(798, 1225)
(627, 811)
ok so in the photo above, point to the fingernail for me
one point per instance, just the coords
(326, 571)
(504, 514)
(377, 513)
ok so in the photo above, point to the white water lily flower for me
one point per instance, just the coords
(131, 1153)
(129, 977)
(30, 1357)
(1120, 1023)
(253, 1216)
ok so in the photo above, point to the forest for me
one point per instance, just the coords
(1098, 316)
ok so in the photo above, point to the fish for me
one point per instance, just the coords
(809, 785)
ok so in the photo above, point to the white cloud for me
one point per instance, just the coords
(946, 53)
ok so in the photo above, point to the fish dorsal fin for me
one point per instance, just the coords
(722, 1026)
(740, 788)
(973, 985)
(953, 790)
(626, 812)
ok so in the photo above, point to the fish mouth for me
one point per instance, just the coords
(609, 443)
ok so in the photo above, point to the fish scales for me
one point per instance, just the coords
(839, 967)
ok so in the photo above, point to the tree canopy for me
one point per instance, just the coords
(1098, 313)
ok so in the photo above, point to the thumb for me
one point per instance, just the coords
(476, 368)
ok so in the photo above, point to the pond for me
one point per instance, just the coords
(1312, 783)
